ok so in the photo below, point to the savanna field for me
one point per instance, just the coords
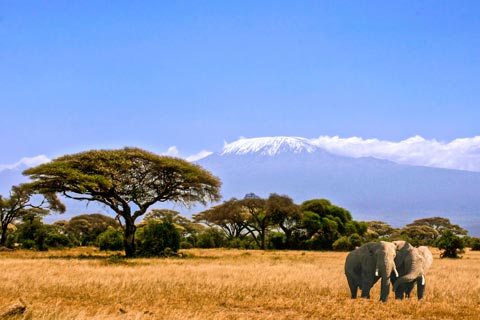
(83, 283)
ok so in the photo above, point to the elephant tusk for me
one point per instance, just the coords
(376, 272)
(396, 273)
(423, 280)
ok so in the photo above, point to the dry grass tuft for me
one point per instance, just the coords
(221, 284)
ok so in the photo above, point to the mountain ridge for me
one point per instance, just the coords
(370, 188)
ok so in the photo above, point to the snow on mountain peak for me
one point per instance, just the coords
(269, 146)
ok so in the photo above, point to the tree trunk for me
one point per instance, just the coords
(3, 236)
(263, 238)
(129, 241)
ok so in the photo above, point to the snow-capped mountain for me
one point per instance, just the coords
(269, 146)
(371, 189)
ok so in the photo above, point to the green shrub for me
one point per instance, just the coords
(185, 245)
(451, 244)
(57, 240)
(28, 244)
(211, 238)
(110, 240)
(343, 244)
(278, 240)
(347, 243)
(475, 244)
(158, 239)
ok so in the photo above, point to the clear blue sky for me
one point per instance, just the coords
(78, 75)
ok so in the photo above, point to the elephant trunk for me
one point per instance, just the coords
(384, 268)
(415, 271)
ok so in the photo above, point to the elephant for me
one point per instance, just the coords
(365, 265)
(412, 265)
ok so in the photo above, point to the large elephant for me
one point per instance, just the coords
(365, 265)
(412, 265)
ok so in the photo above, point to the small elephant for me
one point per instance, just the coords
(365, 265)
(412, 265)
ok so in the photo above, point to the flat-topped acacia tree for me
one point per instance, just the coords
(128, 180)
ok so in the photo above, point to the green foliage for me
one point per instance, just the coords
(110, 240)
(54, 239)
(440, 225)
(185, 245)
(229, 216)
(21, 204)
(128, 180)
(417, 235)
(379, 229)
(287, 215)
(87, 227)
(31, 233)
(475, 244)
(211, 238)
(451, 244)
(184, 225)
(347, 243)
(325, 223)
(277, 241)
(157, 239)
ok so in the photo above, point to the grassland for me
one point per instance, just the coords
(220, 284)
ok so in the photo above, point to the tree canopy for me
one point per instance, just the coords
(128, 180)
(21, 204)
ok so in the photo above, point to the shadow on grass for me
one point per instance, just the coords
(118, 259)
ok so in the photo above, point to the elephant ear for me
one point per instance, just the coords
(371, 247)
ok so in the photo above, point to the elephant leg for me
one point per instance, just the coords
(353, 286)
(399, 291)
(408, 288)
(366, 286)
(366, 292)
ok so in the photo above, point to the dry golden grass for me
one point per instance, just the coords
(221, 284)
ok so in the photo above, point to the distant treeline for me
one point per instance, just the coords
(252, 222)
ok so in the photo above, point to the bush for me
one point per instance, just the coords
(185, 245)
(347, 243)
(211, 238)
(278, 240)
(31, 233)
(451, 244)
(237, 243)
(158, 239)
(355, 240)
(28, 244)
(475, 244)
(57, 240)
(111, 239)
(342, 244)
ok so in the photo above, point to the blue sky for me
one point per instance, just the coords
(79, 75)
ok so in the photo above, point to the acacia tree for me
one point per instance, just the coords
(284, 212)
(440, 225)
(21, 204)
(258, 220)
(228, 215)
(127, 180)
